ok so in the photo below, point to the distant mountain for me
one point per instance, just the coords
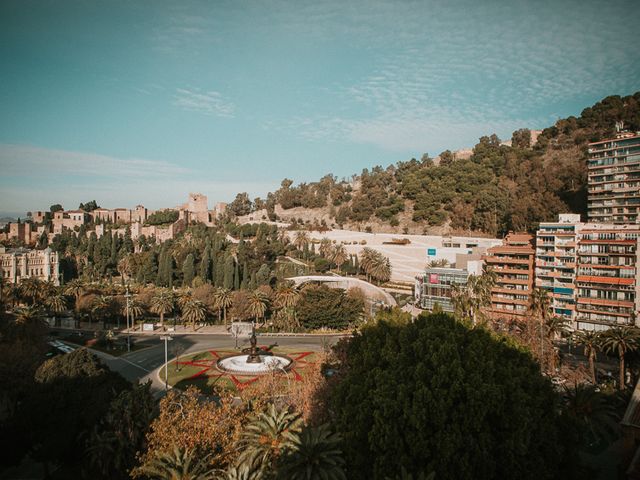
(497, 187)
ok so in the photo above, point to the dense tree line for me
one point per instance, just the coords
(500, 187)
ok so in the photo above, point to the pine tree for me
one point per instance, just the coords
(188, 270)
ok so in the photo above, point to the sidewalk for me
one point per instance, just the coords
(222, 330)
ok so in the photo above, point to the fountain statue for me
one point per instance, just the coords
(253, 355)
(254, 360)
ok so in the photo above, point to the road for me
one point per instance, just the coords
(142, 364)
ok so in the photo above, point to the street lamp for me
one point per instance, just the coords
(128, 298)
(166, 339)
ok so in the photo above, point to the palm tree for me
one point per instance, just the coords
(162, 303)
(283, 237)
(124, 268)
(593, 410)
(301, 239)
(56, 303)
(621, 340)
(540, 307)
(325, 248)
(101, 307)
(592, 343)
(194, 311)
(178, 465)
(556, 327)
(381, 269)
(268, 436)
(135, 310)
(223, 299)
(366, 260)
(184, 296)
(28, 315)
(240, 472)
(31, 289)
(339, 256)
(75, 287)
(315, 453)
(258, 304)
(439, 263)
(469, 299)
(287, 298)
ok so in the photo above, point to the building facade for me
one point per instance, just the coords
(435, 286)
(614, 180)
(20, 263)
(555, 267)
(607, 277)
(513, 264)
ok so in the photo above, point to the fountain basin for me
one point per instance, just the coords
(238, 364)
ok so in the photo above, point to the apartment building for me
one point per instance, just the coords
(556, 263)
(607, 276)
(614, 180)
(20, 263)
(513, 264)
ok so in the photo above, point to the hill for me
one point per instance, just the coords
(499, 187)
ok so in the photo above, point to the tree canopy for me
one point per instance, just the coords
(436, 396)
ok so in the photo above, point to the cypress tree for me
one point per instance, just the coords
(236, 277)
(220, 271)
(127, 243)
(245, 275)
(188, 270)
(214, 271)
(228, 272)
(205, 266)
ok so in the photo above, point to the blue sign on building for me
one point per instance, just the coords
(431, 252)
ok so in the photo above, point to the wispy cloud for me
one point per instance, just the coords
(207, 103)
(32, 161)
(449, 75)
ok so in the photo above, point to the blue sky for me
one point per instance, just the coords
(144, 101)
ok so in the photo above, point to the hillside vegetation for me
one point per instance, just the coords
(498, 188)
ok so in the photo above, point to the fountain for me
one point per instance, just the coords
(253, 361)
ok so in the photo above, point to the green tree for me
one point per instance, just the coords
(113, 444)
(324, 307)
(77, 390)
(422, 394)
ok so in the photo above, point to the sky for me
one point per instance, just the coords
(130, 102)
